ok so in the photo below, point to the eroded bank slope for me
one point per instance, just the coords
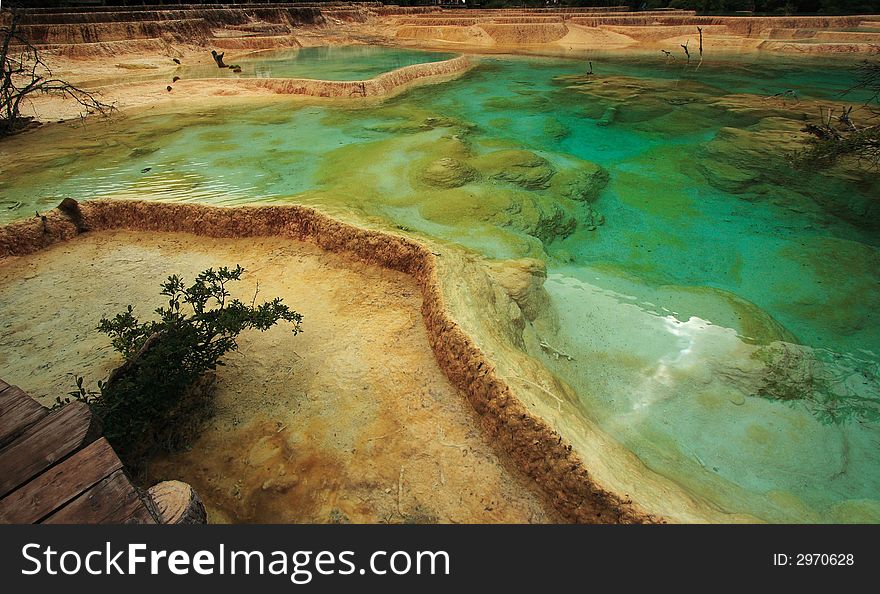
(114, 30)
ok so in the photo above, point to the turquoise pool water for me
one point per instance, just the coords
(719, 306)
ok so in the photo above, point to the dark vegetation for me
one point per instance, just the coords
(834, 395)
(837, 135)
(772, 7)
(702, 6)
(161, 395)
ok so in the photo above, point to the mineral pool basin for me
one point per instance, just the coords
(345, 62)
(714, 307)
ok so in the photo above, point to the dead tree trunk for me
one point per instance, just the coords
(218, 58)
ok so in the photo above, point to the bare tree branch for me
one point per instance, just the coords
(23, 73)
(839, 137)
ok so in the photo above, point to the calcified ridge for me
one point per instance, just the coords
(384, 84)
(536, 449)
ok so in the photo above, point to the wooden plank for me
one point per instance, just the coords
(10, 397)
(60, 484)
(114, 500)
(3, 385)
(51, 439)
(18, 411)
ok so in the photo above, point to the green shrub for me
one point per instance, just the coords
(158, 399)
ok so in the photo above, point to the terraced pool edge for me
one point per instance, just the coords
(384, 85)
(532, 445)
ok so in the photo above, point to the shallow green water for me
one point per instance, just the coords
(720, 306)
(334, 62)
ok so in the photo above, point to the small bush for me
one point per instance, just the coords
(158, 399)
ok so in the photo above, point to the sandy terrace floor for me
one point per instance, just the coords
(350, 420)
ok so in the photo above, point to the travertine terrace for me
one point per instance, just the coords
(466, 175)
(169, 29)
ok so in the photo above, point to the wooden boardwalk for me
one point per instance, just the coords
(55, 468)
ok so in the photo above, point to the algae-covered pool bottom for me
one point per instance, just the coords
(714, 308)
